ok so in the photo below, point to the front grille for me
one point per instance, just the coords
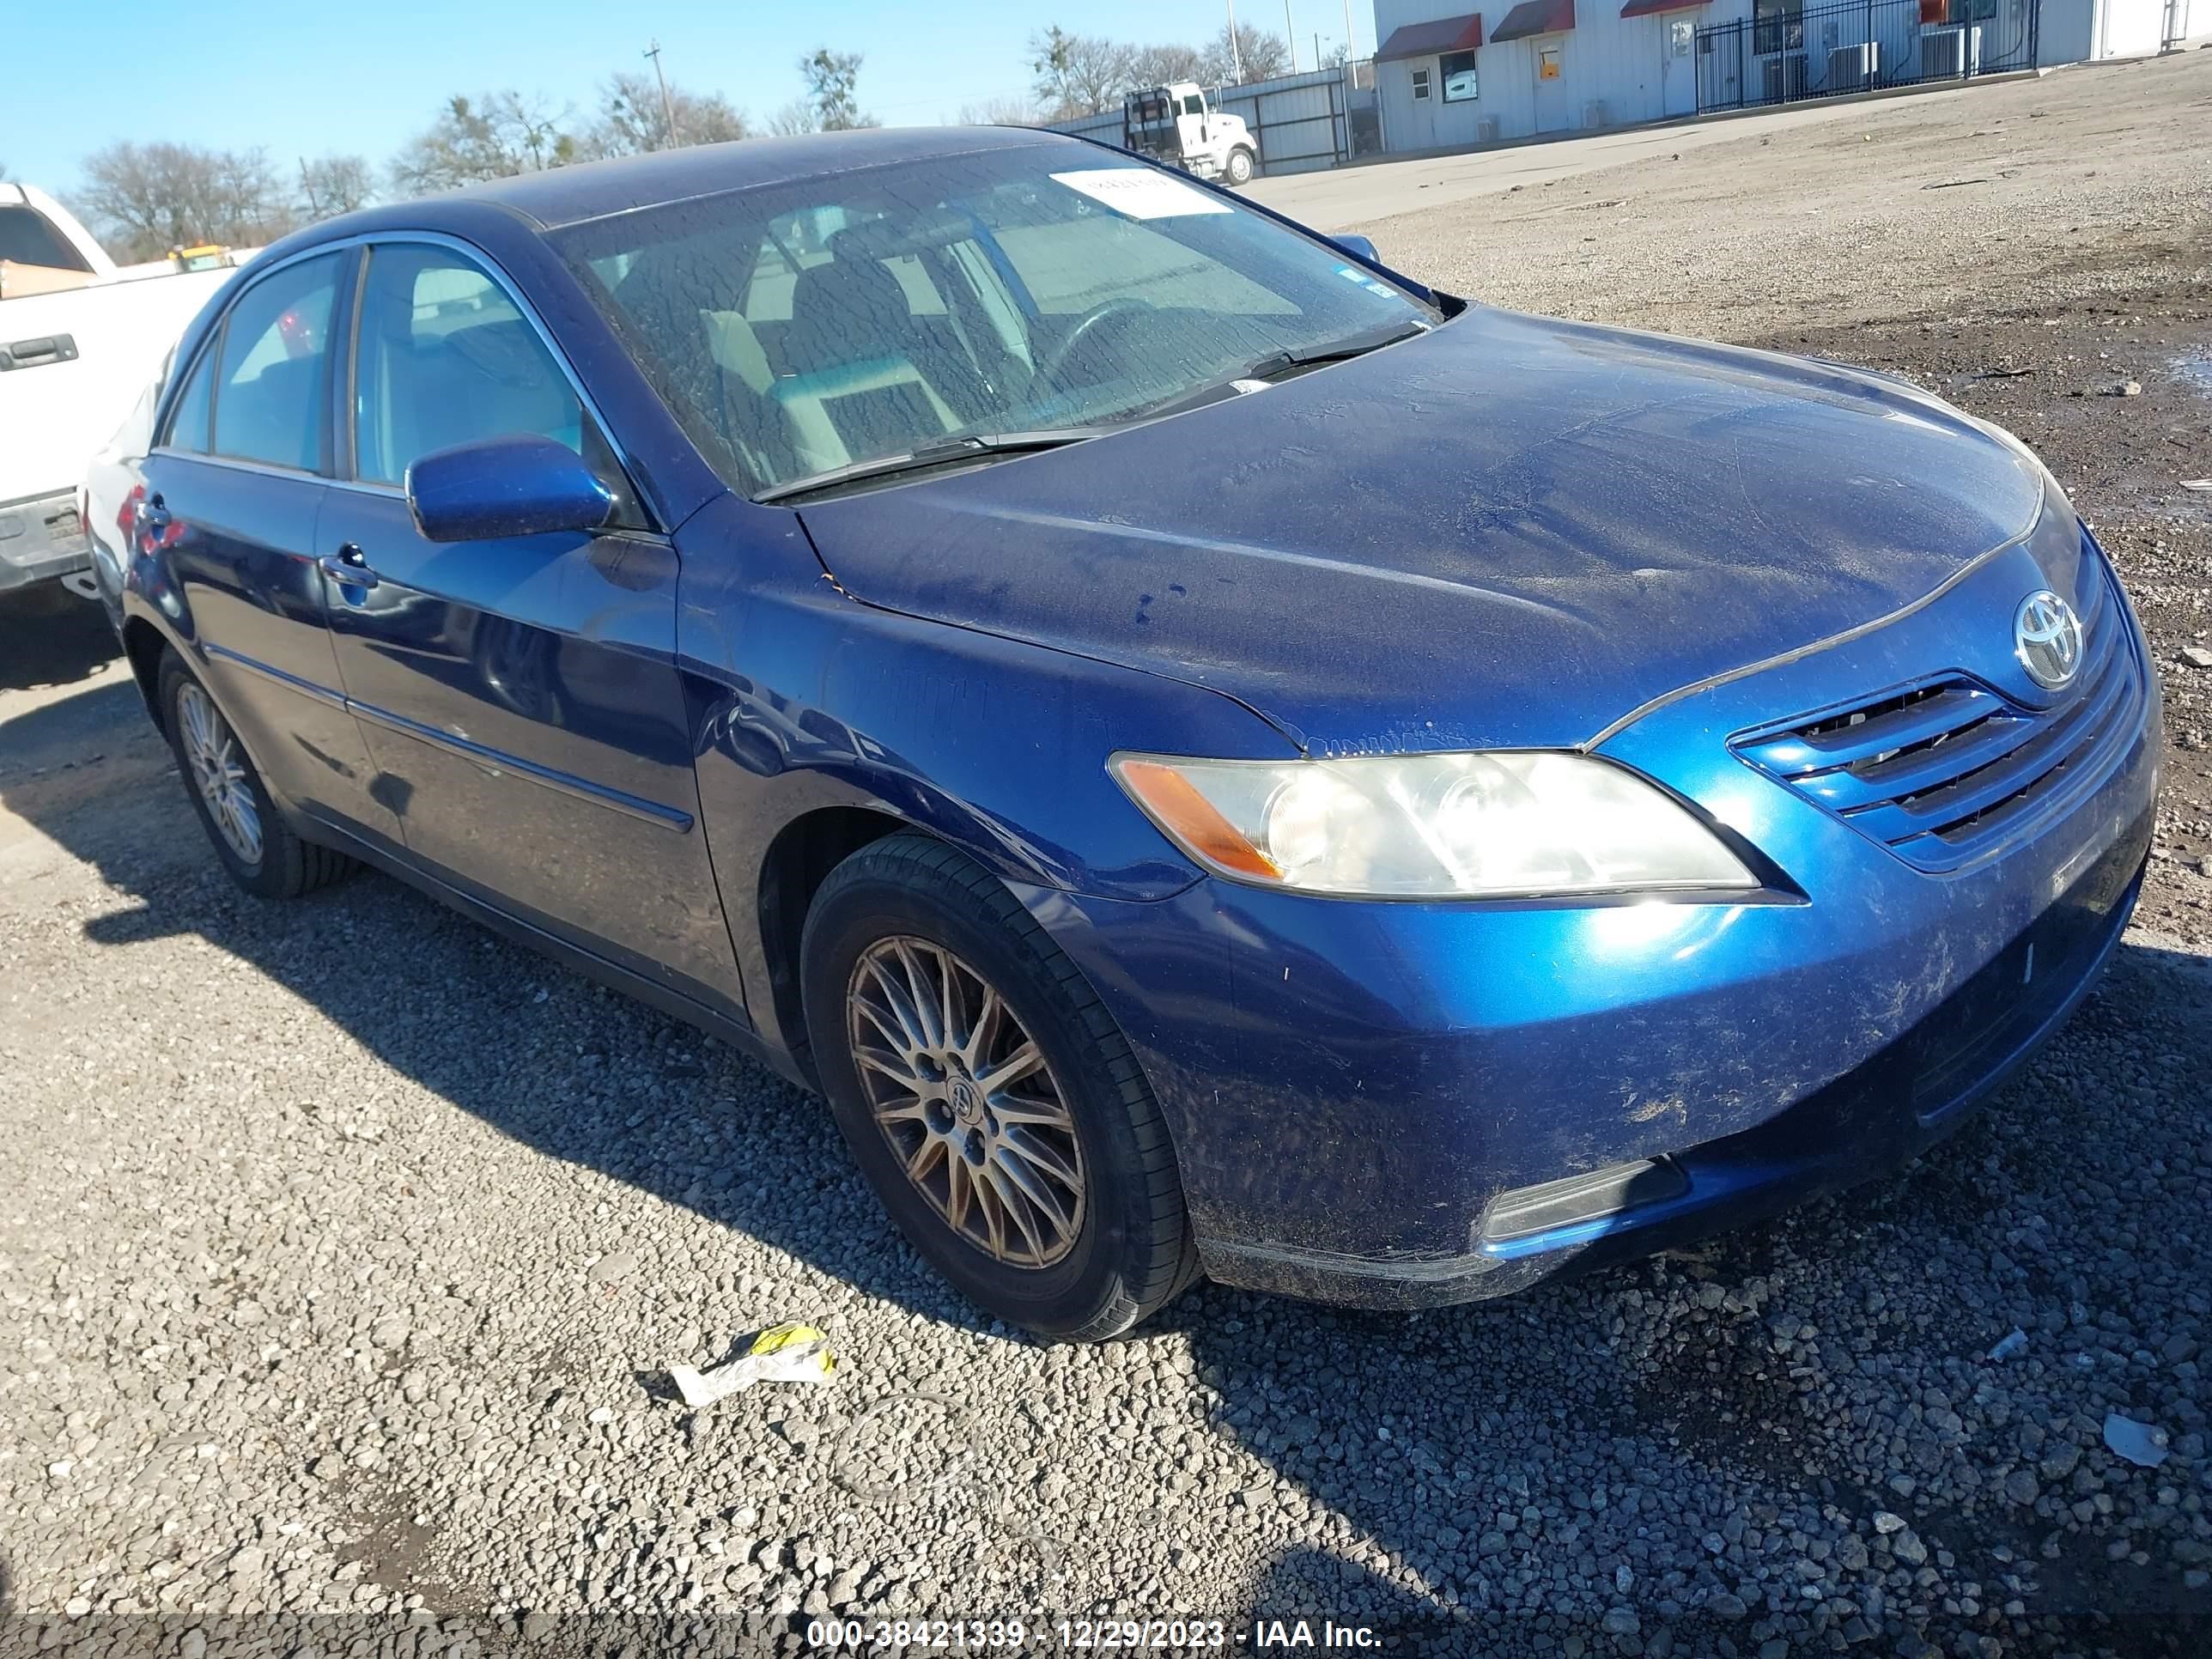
(1948, 771)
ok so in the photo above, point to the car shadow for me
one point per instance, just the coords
(1445, 1469)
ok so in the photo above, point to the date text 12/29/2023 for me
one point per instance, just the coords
(1070, 1635)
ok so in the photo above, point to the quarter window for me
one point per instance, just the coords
(1459, 76)
(272, 402)
(188, 427)
(446, 358)
(27, 239)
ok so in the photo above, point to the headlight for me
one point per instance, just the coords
(1514, 823)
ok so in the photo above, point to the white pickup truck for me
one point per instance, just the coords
(80, 337)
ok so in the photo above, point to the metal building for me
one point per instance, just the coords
(1453, 80)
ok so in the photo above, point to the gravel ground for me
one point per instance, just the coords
(343, 1247)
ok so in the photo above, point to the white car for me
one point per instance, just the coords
(80, 336)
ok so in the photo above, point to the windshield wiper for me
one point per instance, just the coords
(921, 457)
(1277, 364)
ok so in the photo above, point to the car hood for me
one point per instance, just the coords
(1510, 532)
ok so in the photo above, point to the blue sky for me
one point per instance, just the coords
(310, 79)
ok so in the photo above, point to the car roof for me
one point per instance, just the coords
(593, 189)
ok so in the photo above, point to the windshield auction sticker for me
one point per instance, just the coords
(1140, 193)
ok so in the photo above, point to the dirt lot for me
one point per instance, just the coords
(342, 1248)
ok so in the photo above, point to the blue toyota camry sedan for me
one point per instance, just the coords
(1211, 757)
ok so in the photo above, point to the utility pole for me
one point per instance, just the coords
(1236, 58)
(307, 189)
(667, 109)
(1347, 37)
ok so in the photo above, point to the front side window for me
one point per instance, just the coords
(1193, 105)
(271, 402)
(797, 329)
(1459, 77)
(443, 358)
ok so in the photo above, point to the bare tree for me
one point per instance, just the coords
(1162, 65)
(1259, 56)
(1012, 112)
(149, 198)
(631, 120)
(794, 117)
(494, 136)
(332, 185)
(1077, 74)
(831, 78)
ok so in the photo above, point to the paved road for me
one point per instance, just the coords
(1359, 196)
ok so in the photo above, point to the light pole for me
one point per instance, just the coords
(667, 109)
(1291, 35)
(1236, 58)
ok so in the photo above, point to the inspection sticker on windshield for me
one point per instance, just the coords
(1366, 279)
(1140, 193)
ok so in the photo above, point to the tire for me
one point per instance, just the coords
(1240, 167)
(272, 862)
(1088, 1258)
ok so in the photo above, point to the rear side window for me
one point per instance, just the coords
(188, 427)
(27, 239)
(446, 358)
(271, 404)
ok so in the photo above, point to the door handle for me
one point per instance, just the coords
(349, 567)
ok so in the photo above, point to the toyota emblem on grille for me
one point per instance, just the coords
(2046, 636)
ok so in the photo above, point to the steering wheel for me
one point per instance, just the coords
(1085, 325)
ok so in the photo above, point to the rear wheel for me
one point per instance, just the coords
(251, 836)
(988, 1096)
(1240, 167)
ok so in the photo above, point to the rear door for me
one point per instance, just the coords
(520, 696)
(233, 492)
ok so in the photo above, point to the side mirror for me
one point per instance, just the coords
(1353, 243)
(502, 487)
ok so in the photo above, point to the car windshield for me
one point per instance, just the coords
(798, 330)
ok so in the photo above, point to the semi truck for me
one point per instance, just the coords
(1178, 125)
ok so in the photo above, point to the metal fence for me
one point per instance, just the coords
(1302, 123)
(1781, 57)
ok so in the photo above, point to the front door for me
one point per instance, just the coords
(233, 488)
(1555, 109)
(520, 696)
(1192, 125)
(1678, 66)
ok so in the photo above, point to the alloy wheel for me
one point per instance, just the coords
(967, 1100)
(219, 771)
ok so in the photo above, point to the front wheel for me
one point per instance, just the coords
(1240, 167)
(988, 1096)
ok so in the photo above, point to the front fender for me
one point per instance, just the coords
(808, 699)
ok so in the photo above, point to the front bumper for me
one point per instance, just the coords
(41, 539)
(1360, 1093)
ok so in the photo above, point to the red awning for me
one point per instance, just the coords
(1427, 40)
(1648, 8)
(1535, 17)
